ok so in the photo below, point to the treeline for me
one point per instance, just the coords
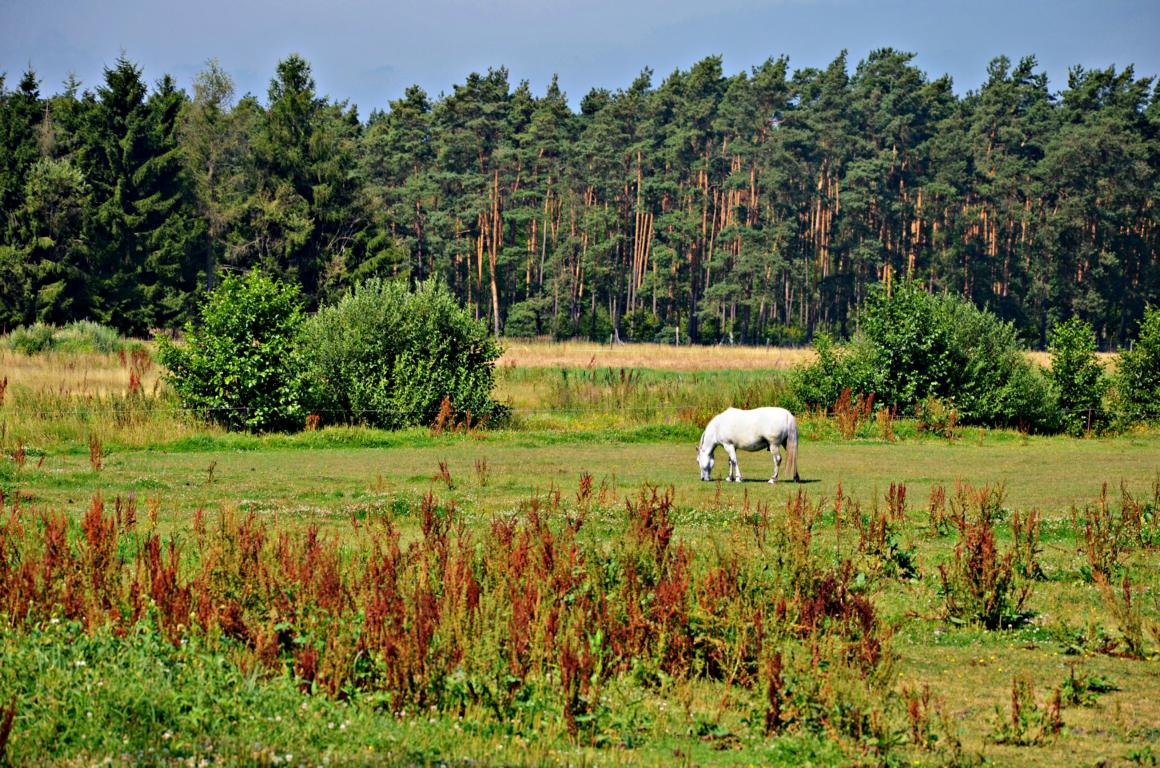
(753, 207)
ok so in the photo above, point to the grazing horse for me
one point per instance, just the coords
(753, 430)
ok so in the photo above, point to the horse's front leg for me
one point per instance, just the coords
(734, 467)
(776, 462)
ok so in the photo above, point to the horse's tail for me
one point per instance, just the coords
(791, 445)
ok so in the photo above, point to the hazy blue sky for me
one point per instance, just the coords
(369, 52)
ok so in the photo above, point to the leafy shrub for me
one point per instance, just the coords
(917, 348)
(32, 339)
(1077, 377)
(995, 384)
(1137, 379)
(786, 335)
(913, 344)
(387, 356)
(937, 417)
(240, 366)
(595, 325)
(836, 370)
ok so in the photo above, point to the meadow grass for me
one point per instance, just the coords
(583, 443)
(589, 355)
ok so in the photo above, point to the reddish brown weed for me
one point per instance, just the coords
(443, 475)
(1104, 536)
(939, 524)
(96, 452)
(979, 584)
(851, 412)
(19, 456)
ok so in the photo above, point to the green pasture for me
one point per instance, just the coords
(138, 700)
(326, 477)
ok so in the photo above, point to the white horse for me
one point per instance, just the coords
(753, 430)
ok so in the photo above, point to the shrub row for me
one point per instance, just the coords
(383, 355)
(919, 352)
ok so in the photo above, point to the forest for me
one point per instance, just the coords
(756, 207)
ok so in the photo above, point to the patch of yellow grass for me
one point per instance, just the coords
(68, 373)
(579, 354)
(584, 354)
(1107, 359)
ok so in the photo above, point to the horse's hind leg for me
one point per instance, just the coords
(776, 461)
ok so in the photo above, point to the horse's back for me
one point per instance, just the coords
(756, 428)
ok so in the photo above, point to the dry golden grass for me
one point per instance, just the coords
(1107, 359)
(584, 354)
(66, 398)
(98, 374)
(70, 373)
(580, 354)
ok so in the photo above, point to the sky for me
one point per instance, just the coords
(368, 52)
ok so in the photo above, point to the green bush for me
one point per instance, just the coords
(240, 365)
(77, 336)
(521, 321)
(641, 325)
(31, 340)
(1137, 379)
(994, 383)
(913, 343)
(836, 369)
(387, 356)
(595, 325)
(88, 336)
(1077, 377)
(915, 346)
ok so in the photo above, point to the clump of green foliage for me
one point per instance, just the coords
(1077, 377)
(914, 345)
(388, 356)
(1027, 723)
(1137, 379)
(641, 325)
(522, 321)
(78, 336)
(837, 369)
(240, 365)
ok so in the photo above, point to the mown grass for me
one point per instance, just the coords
(137, 698)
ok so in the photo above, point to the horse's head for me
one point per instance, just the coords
(705, 461)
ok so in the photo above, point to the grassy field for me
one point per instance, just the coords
(886, 520)
(579, 354)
